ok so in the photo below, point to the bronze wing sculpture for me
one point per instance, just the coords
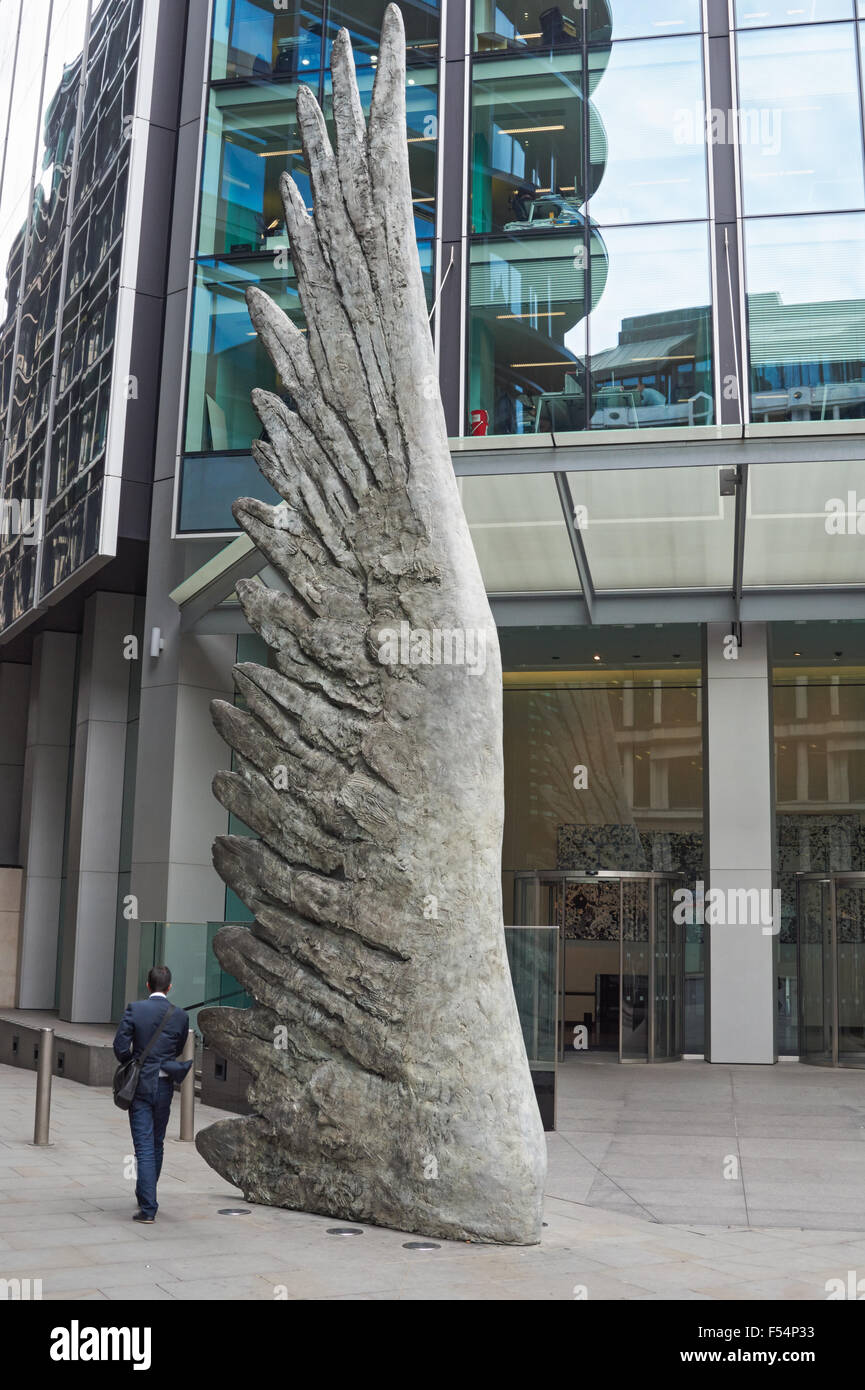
(390, 1075)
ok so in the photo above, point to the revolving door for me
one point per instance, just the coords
(621, 959)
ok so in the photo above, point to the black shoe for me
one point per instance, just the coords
(147, 1220)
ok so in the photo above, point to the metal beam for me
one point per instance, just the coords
(683, 451)
(575, 536)
(677, 606)
(739, 526)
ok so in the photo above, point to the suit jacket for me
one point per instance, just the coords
(137, 1027)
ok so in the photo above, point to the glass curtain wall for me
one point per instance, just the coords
(603, 770)
(819, 732)
(260, 56)
(55, 396)
(800, 75)
(589, 280)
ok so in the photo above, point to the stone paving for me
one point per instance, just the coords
(639, 1206)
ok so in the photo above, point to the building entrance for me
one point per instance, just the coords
(621, 959)
(830, 911)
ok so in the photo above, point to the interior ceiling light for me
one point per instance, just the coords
(558, 363)
(529, 129)
(272, 154)
(536, 314)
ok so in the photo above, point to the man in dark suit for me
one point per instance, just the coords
(148, 1114)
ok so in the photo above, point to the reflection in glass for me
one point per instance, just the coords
(642, 748)
(363, 22)
(801, 131)
(527, 345)
(528, 158)
(520, 25)
(252, 139)
(806, 317)
(650, 336)
(227, 359)
(647, 104)
(751, 15)
(256, 38)
(253, 38)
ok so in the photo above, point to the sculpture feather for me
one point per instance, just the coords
(390, 1076)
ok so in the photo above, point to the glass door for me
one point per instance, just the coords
(816, 970)
(621, 957)
(668, 962)
(636, 956)
(850, 956)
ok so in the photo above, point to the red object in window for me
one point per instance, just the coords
(480, 422)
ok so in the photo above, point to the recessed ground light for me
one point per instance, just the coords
(797, 653)
(420, 1245)
(596, 657)
(234, 1211)
(344, 1231)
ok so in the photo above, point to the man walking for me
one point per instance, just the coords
(148, 1114)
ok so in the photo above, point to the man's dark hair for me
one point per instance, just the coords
(159, 978)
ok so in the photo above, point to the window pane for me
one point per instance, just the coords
(635, 19)
(227, 359)
(527, 306)
(801, 135)
(515, 25)
(527, 144)
(656, 528)
(252, 139)
(523, 25)
(806, 317)
(650, 336)
(21, 147)
(646, 137)
(803, 525)
(519, 534)
(254, 38)
(364, 22)
(421, 111)
(757, 13)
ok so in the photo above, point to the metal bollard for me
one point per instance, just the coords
(44, 1068)
(187, 1091)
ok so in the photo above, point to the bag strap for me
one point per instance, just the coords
(155, 1035)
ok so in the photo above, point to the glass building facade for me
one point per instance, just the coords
(629, 218)
(68, 82)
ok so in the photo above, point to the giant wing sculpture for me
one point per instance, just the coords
(390, 1075)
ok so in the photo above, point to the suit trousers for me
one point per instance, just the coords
(148, 1121)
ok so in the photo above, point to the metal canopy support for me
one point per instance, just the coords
(577, 546)
(740, 524)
